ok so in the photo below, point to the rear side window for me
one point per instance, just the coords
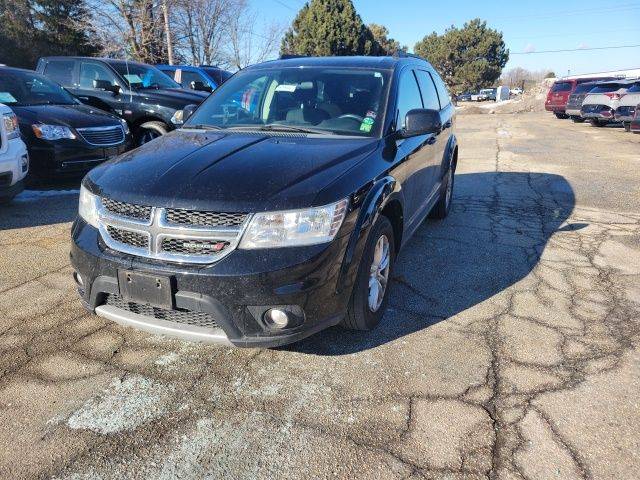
(428, 90)
(408, 97)
(584, 88)
(635, 88)
(443, 93)
(90, 71)
(562, 87)
(60, 71)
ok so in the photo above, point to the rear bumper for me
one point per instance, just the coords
(235, 292)
(598, 112)
(549, 107)
(625, 114)
(573, 111)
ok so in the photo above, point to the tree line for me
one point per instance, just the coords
(229, 33)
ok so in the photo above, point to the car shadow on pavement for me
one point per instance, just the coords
(494, 236)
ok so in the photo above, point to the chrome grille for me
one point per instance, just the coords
(127, 237)
(146, 232)
(204, 219)
(192, 246)
(130, 210)
(103, 136)
(188, 317)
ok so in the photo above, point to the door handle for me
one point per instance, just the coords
(446, 125)
(83, 98)
(431, 140)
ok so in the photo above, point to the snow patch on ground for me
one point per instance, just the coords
(125, 405)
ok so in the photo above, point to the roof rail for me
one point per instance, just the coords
(402, 54)
(287, 56)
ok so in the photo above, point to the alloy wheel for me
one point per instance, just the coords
(379, 273)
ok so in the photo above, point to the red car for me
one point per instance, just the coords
(635, 123)
(560, 91)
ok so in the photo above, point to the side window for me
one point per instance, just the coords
(428, 90)
(188, 77)
(170, 72)
(90, 71)
(408, 97)
(60, 71)
(443, 93)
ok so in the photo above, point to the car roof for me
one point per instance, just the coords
(382, 63)
(113, 61)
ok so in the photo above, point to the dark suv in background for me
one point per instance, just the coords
(140, 94)
(265, 220)
(205, 78)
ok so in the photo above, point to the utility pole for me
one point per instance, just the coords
(167, 31)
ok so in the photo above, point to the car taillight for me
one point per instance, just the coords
(615, 96)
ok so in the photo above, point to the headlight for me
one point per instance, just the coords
(178, 117)
(125, 127)
(52, 132)
(88, 207)
(294, 227)
(10, 122)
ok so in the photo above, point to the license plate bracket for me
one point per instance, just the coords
(139, 287)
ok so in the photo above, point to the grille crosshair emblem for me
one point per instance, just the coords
(157, 229)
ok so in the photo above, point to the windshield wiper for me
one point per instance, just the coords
(277, 127)
(202, 126)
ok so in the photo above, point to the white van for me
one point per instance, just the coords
(14, 160)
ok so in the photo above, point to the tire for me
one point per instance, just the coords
(596, 123)
(150, 131)
(441, 209)
(577, 120)
(560, 115)
(627, 126)
(361, 315)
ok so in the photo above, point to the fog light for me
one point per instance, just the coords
(277, 318)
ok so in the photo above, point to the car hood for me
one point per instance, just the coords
(74, 116)
(224, 171)
(173, 97)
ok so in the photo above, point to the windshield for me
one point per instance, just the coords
(144, 76)
(635, 88)
(562, 87)
(27, 88)
(606, 88)
(321, 100)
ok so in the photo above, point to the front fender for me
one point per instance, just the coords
(370, 206)
(447, 157)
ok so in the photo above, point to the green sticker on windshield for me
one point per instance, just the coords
(365, 127)
(368, 121)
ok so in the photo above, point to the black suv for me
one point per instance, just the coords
(141, 94)
(277, 210)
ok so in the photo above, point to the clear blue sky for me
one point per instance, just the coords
(527, 26)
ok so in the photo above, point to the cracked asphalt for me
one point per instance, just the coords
(510, 349)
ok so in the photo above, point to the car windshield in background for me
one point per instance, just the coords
(144, 76)
(320, 100)
(26, 88)
(584, 88)
(220, 76)
(606, 88)
(635, 88)
(561, 87)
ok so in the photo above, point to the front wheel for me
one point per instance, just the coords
(150, 131)
(370, 293)
(596, 123)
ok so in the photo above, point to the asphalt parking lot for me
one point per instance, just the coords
(511, 348)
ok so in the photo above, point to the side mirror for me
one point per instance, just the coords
(188, 111)
(107, 86)
(421, 121)
(200, 86)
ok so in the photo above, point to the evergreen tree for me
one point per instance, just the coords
(470, 57)
(329, 27)
(388, 46)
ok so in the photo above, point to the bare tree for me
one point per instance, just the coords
(246, 44)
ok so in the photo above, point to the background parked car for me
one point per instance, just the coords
(63, 136)
(558, 94)
(464, 97)
(204, 78)
(635, 123)
(627, 106)
(14, 160)
(602, 101)
(489, 93)
(574, 104)
(141, 94)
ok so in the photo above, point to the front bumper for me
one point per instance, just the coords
(70, 157)
(12, 168)
(235, 292)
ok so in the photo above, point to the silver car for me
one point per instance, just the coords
(574, 104)
(627, 105)
(602, 101)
